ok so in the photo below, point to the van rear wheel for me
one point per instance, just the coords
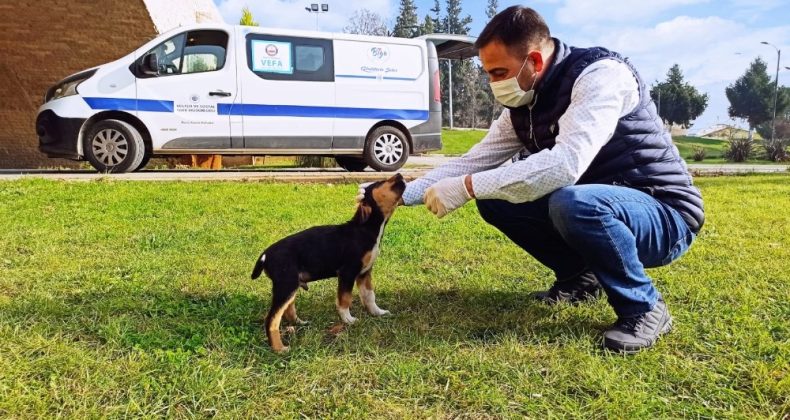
(351, 164)
(114, 146)
(386, 149)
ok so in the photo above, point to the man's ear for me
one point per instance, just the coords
(363, 213)
(537, 59)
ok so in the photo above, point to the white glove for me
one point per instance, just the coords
(361, 191)
(446, 195)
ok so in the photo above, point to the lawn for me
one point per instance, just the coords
(128, 299)
(714, 148)
(458, 142)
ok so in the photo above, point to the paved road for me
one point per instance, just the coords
(415, 167)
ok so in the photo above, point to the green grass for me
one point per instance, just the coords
(458, 142)
(714, 149)
(128, 299)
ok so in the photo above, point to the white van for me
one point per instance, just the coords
(240, 90)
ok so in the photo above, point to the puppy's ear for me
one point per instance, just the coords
(363, 212)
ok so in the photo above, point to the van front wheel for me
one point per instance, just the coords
(386, 149)
(114, 146)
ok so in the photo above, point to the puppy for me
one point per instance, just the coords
(345, 251)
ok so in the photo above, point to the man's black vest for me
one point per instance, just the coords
(640, 155)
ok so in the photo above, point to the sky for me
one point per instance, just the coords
(713, 41)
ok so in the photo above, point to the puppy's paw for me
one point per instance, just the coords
(380, 312)
(348, 319)
(282, 350)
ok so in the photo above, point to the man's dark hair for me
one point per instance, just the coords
(518, 27)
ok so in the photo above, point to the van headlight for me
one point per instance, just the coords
(66, 89)
(67, 86)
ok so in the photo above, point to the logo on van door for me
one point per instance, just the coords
(378, 54)
(271, 50)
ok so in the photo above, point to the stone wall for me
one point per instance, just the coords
(43, 41)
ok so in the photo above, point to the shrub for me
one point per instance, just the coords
(698, 153)
(738, 150)
(315, 162)
(776, 150)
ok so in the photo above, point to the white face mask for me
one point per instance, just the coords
(509, 93)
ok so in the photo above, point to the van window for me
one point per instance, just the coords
(192, 52)
(290, 58)
(204, 51)
(309, 57)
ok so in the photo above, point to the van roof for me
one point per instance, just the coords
(297, 32)
(448, 46)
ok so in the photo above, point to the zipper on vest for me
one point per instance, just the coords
(531, 130)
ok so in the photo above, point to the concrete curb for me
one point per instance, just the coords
(317, 175)
(219, 176)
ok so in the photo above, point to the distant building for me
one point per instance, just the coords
(47, 40)
(677, 130)
(725, 131)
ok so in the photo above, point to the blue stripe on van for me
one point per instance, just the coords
(364, 76)
(320, 112)
(121, 104)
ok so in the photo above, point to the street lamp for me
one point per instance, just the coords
(776, 87)
(316, 8)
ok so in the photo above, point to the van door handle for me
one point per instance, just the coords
(219, 93)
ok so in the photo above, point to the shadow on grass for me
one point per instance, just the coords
(151, 320)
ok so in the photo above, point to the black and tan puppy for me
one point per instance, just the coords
(345, 251)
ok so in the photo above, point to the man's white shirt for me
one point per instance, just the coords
(602, 94)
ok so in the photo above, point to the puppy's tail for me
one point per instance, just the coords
(256, 272)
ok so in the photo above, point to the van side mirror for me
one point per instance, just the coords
(150, 64)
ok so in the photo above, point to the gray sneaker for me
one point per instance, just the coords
(581, 288)
(630, 335)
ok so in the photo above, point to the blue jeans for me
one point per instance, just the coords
(615, 232)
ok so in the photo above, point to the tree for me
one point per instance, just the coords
(246, 18)
(406, 25)
(751, 96)
(491, 9)
(463, 91)
(490, 108)
(782, 129)
(437, 17)
(776, 147)
(453, 23)
(680, 103)
(365, 22)
(427, 26)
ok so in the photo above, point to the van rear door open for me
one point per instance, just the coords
(452, 47)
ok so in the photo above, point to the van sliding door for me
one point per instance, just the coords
(288, 94)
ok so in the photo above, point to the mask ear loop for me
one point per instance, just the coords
(522, 67)
(530, 106)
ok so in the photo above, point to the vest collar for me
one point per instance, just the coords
(561, 52)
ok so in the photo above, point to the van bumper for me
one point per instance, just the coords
(426, 142)
(58, 136)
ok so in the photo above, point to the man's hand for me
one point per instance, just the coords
(361, 191)
(447, 195)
